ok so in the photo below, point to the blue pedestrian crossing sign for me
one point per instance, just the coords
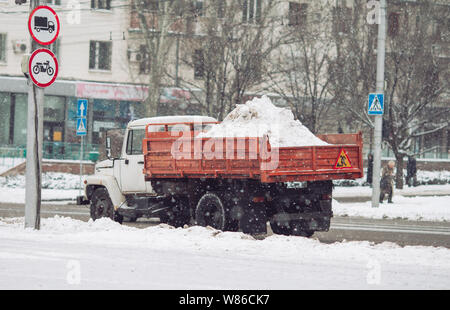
(376, 104)
(81, 127)
(82, 105)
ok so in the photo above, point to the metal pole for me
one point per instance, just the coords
(81, 165)
(34, 149)
(379, 118)
(177, 81)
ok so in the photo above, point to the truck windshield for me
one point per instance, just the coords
(134, 141)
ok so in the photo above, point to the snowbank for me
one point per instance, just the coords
(50, 180)
(423, 178)
(115, 256)
(410, 208)
(55, 187)
(260, 117)
(7, 163)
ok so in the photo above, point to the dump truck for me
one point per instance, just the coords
(227, 183)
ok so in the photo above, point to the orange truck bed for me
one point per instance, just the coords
(178, 154)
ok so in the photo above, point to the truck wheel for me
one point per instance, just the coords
(280, 228)
(101, 206)
(297, 229)
(129, 219)
(178, 213)
(211, 211)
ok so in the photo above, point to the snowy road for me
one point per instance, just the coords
(399, 231)
(67, 253)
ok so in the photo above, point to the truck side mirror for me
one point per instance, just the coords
(108, 147)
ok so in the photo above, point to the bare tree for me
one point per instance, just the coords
(300, 74)
(236, 43)
(416, 74)
(353, 69)
(158, 21)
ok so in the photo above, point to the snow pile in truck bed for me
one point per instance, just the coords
(259, 117)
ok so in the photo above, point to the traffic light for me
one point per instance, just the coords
(19, 2)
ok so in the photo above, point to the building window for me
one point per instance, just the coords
(221, 5)
(199, 66)
(54, 2)
(342, 19)
(54, 47)
(197, 8)
(394, 24)
(5, 118)
(3, 47)
(100, 4)
(144, 62)
(100, 55)
(153, 5)
(298, 13)
(251, 11)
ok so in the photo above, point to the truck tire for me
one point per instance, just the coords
(101, 206)
(178, 213)
(279, 228)
(211, 211)
(297, 229)
(129, 219)
(294, 228)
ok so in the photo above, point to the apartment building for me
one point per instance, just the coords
(94, 63)
(103, 58)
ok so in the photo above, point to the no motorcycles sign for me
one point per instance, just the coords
(43, 67)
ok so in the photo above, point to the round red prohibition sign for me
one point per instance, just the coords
(43, 25)
(43, 67)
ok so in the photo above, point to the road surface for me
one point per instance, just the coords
(401, 232)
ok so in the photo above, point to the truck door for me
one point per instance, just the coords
(132, 163)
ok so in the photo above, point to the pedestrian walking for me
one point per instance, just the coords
(387, 182)
(411, 171)
(370, 169)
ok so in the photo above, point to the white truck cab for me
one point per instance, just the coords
(117, 180)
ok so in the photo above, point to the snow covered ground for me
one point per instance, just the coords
(55, 187)
(423, 178)
(72, 254)
(409, 208)
(365, 191)
(7, 163)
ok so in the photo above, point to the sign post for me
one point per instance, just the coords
(82, 105)
(43, 25)
(376, 106)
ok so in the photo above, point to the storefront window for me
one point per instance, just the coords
(105, 117)
(20, 119)
(5, 108)
(54, 109)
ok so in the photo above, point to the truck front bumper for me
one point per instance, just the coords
(82, 200)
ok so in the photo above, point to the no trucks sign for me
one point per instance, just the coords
(44, 25)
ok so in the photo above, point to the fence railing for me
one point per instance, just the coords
(436, 152)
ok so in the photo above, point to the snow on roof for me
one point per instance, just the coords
(171, 119)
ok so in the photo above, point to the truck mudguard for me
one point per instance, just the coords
(110, 183)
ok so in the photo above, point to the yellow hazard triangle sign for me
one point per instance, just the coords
(343, 161)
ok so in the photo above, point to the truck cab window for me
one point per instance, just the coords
(178, 128)
(134, 141)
